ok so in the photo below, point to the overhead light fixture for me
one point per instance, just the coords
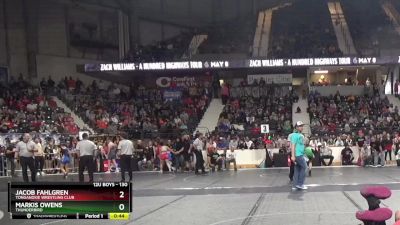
(321, 71)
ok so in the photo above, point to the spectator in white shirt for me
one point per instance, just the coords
(114, 119)
(249, 143)
(339, 142)
(313, 143)
(233, 144)
(230, 158)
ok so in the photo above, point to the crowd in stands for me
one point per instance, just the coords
(303, 29)
(26, 108)
(170, 49)
(138, 110)
(370, 27)
(250, 105)
(230, 37)
(347, 114)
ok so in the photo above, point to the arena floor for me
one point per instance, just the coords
(246, 197)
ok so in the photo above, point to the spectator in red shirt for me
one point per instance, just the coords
(71, 83)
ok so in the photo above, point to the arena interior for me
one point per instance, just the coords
(221, 100)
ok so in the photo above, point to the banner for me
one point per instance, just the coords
(171, 95)
(241, 63)
(270, 78)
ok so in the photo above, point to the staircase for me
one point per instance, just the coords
(394, 101)
(81, 124)
(342, 31)
(196, 41)
(303, 116)
(211, 116)
(262, 34)
(263, 31)
(393, 14)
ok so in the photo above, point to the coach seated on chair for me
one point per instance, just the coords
(215, 160)
(230, 158)
(347, 155)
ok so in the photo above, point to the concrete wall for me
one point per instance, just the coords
(16, 37)
(3, 44)
(52, 30)
(151, 32)
(59, 67)
(343, 90)
(45, 28)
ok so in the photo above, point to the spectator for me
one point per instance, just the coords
(347, 156)
(325, 153)
(249, 143)
(339, 142)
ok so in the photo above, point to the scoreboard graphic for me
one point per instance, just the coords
(98, 200)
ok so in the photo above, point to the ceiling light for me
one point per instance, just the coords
(321, 71)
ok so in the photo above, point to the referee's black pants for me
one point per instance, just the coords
(86, 161)
(199, 162)
(126, 165)
(25, 163)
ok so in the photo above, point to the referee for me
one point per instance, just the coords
(126, 148)
(86, 157)
(25, 150)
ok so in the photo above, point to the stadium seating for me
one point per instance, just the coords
(249, 106)
(371, 29)
(140, 111)
(25, 109)
(346, 114)
(303, 30)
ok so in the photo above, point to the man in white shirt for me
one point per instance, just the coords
(125, 148)
(86, 150)
(25, 150)
(230, 158)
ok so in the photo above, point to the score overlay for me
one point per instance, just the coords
(98, 200)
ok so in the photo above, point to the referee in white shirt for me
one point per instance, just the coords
(86, 157)
(125, 148)
(25, 150)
